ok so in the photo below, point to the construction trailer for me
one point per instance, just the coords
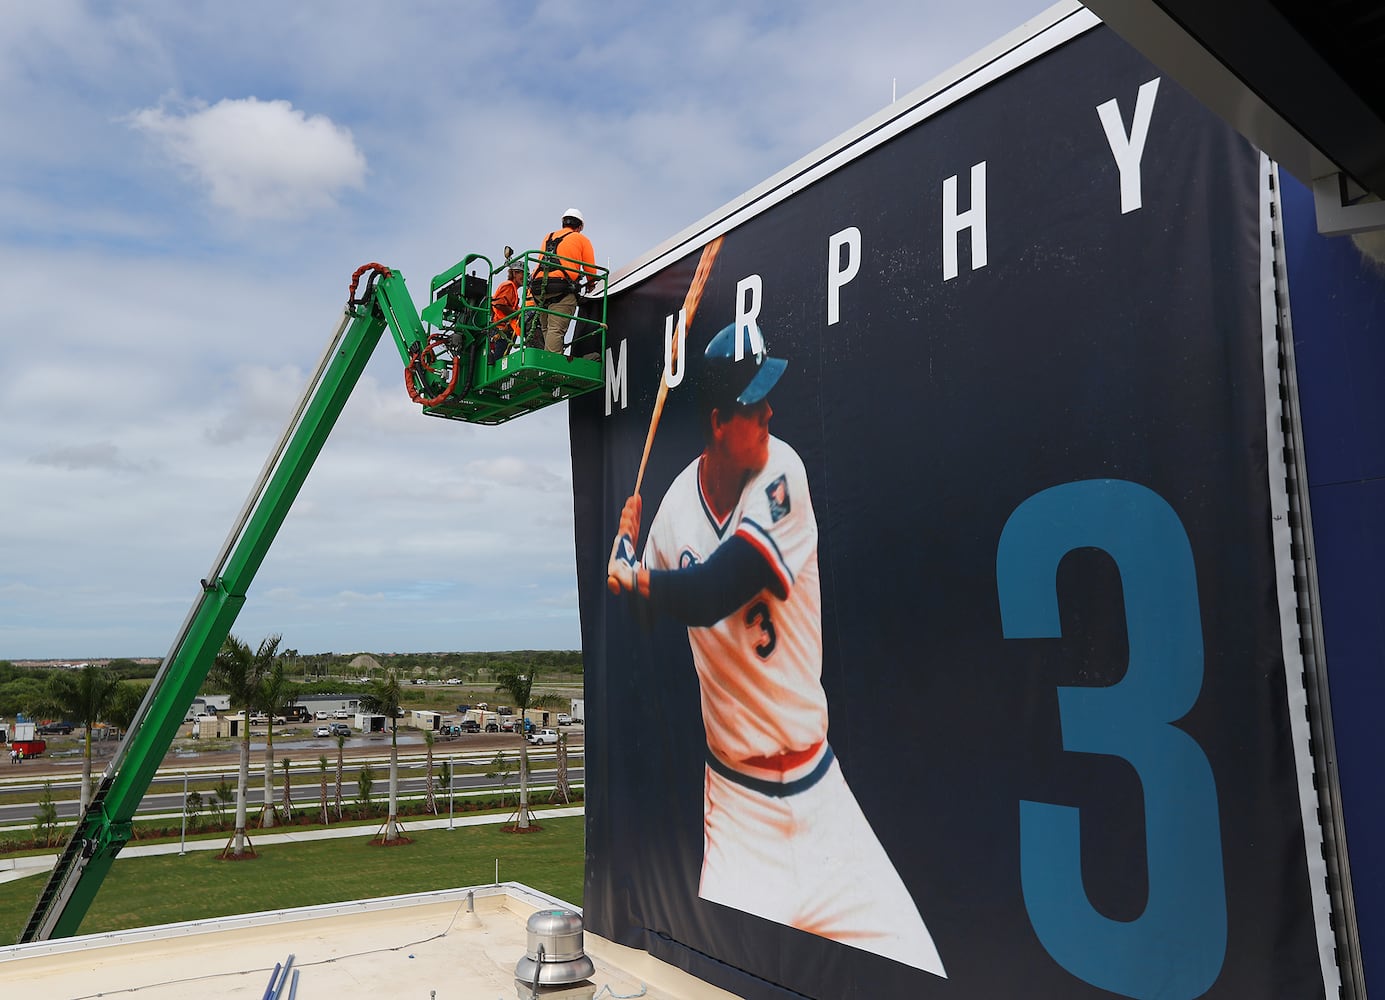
(424, 720)
(369, 722)
(23, 738)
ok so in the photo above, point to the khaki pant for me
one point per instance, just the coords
(553, 327)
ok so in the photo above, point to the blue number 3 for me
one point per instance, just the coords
(1175, 948)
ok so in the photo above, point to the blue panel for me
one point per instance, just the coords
(1338, 299)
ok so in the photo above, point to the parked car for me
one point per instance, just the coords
(322, 731)
(339, 727)
(341, 713)
(322, 715)
(543, 736)
(469, 726)
(564, 719)
(55, 729)
(491, 727)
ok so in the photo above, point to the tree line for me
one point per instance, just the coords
(258, 680)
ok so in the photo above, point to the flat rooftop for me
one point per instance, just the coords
(454, 944)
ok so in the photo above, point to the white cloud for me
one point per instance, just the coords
(511, 470)
(99, 456)
(260, 159)
(157, 334)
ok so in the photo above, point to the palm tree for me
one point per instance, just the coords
(384, 698)
(341, 742)
(274, 688)
(520, 688)
(84, 697)
(365, 781)
(430, 803)
(322, 768)
(240, 671)
(445, 780)
(288, 790)
(125, 705)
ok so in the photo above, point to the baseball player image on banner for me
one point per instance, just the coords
(732, 553)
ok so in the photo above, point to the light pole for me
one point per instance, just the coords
(183, 839)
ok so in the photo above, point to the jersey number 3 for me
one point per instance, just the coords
(757, 616)
(1176, 947)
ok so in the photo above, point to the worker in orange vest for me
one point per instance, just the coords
(555, 282)
(504, 308)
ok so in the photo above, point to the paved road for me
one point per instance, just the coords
(305, 796)
(64, 752)
(166, 794)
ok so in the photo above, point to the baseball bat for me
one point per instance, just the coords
(690, 301)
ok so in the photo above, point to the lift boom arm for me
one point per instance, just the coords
(448, 344)
(105, 826)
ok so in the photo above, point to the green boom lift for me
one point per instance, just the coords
(454, 368)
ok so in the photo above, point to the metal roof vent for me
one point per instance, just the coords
(554, 956)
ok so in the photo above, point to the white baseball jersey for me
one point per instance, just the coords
(804, 856)
(760, 667)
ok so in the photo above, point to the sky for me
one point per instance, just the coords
(185, 190)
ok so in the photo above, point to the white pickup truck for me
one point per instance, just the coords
(541, 736)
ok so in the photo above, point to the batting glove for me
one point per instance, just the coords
(622, 572)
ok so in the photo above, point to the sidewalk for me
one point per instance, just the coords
(17, 868)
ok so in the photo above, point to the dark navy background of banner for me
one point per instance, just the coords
(1094, 345)
(1337, 296)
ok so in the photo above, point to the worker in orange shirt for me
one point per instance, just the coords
(556, 282)
(504, 308)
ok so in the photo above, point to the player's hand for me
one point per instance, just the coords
(630, 519)
(622, 572)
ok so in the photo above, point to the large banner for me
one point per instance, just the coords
(941, 651)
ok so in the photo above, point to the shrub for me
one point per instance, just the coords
(46, 819)
(365, 780)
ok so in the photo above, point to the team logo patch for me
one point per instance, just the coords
(687, 558)
(778, 494)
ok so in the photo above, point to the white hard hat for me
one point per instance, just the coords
(575, 213)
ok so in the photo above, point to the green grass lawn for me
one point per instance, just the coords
(140, 892)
